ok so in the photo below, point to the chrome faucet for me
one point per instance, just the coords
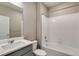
(10, 41)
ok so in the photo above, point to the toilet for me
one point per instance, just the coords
(38, 52)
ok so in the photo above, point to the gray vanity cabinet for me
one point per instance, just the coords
(29, 54)
(25, 51)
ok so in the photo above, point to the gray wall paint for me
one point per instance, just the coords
(32, 21)
(15, 20)
(39, 25)
(65, 8)
(41, 10)
(29, 26)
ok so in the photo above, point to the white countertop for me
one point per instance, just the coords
(5, 52)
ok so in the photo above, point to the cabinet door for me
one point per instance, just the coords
(30, 53)
(21, 51)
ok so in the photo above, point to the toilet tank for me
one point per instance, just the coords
(34, 45)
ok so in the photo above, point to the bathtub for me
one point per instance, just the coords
(61, 35)
(60, 48)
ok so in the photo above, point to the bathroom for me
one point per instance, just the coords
(39, 28)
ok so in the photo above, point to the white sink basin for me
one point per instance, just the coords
(13, 45)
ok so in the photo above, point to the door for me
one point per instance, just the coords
(4, 27)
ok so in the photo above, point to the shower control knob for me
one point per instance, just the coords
(45, 37)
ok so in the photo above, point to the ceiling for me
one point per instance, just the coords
(52, 4)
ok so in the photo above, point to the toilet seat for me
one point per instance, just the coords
(40, 52)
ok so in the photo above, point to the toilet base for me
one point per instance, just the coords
(39, 52)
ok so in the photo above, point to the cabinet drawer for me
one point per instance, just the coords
(21, 51)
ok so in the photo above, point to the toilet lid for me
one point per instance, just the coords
(40, 52)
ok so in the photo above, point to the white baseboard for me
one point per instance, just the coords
(64, 49)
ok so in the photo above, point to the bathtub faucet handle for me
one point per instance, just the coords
(45, 37)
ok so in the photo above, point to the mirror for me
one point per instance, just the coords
(10, 20)
(4, 27)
